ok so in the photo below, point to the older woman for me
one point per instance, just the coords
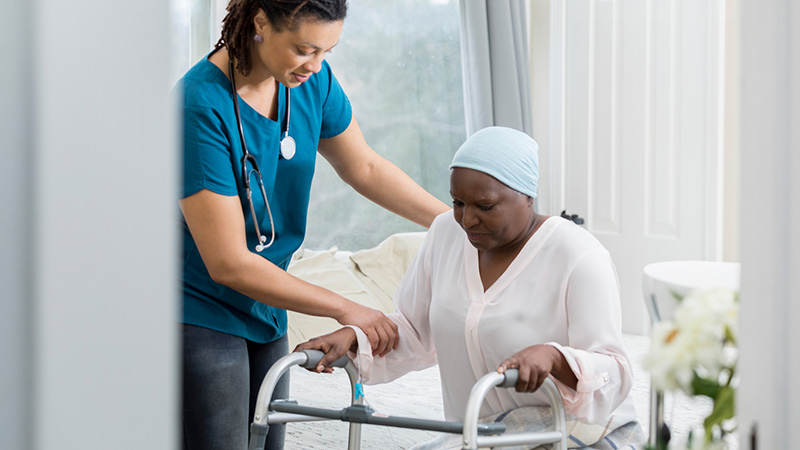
(495, 285)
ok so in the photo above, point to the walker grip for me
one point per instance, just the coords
(511, 377)
(315, 356)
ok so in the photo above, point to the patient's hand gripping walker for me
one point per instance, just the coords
(284, 411)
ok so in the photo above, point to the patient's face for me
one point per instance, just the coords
(494, 216)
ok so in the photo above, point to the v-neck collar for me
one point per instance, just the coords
(525, 255)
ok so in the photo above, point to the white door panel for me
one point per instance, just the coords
(640, 99)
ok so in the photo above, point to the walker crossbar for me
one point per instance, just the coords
(283, 411)
(365, 414)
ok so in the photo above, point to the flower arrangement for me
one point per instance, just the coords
(696, 353)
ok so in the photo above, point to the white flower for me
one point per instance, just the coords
(693, 341)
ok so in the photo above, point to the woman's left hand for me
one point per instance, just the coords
(535, 363)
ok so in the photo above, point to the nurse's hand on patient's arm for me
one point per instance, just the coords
(334, 345)
(535, 363)
(381, 332)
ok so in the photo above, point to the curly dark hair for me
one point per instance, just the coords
(238, 29)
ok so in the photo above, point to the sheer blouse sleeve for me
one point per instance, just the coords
(595, 351)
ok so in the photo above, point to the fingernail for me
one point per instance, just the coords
(320, 367)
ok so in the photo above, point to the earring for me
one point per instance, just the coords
(258, 38)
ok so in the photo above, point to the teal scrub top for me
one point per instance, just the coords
(212, 154)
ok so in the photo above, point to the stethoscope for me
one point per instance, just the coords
(288, 148)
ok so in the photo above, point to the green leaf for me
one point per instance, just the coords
(705, 386)
(678, 297)
(729, 336)
(724, 409)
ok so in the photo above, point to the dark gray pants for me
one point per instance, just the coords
(221, 377)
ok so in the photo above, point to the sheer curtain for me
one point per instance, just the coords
(494, 52)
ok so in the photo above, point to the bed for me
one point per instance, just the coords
(369, 277)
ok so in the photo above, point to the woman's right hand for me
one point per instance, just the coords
(334, 345)
(380, 330)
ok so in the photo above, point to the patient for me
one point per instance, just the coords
(494, 286)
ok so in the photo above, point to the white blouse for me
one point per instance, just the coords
(561, 289)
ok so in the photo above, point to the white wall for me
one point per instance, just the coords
(769, 398)
(89, 227)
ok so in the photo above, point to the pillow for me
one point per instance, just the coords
(368, 277)
(324, 269)
(381, 268)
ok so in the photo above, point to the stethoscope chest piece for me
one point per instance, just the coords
(288, 147)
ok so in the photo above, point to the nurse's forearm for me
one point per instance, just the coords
(265, 282)
(262, 281)
(217, 226)
(390, 187)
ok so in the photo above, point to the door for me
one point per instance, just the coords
(634, 132)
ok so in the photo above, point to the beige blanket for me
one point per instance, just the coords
(368, 277)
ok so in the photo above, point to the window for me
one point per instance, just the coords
(400, 64)
(197, 25)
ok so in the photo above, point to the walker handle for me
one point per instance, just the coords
(315, 356)
(510, 380)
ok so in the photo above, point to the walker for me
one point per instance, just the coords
(475, 435)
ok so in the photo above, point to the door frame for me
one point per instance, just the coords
(768, 402)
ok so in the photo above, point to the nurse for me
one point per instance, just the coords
(496, 285)
(265, 84)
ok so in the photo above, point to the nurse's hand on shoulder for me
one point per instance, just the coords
(381, 332)
(535, 364)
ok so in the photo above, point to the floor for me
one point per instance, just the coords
(419, 395)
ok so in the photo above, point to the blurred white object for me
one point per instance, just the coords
(663, 284)
(663, 281)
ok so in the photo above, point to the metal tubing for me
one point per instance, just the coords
(261, 417)
(354, 436)
(478, 395)
(471, 441)
(282, 417)
(557, 409)
(270, 380)
(530, 440)
(656, 414)
(366, 415)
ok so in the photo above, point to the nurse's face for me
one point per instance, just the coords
(293, 55)
(494, 216)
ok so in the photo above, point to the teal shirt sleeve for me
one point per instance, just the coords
(337, 112)
(208, 165)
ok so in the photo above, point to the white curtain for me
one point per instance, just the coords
(494, 51)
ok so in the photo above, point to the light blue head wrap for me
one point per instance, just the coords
(509, 155)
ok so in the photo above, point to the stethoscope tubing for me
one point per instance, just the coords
(247, 156)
